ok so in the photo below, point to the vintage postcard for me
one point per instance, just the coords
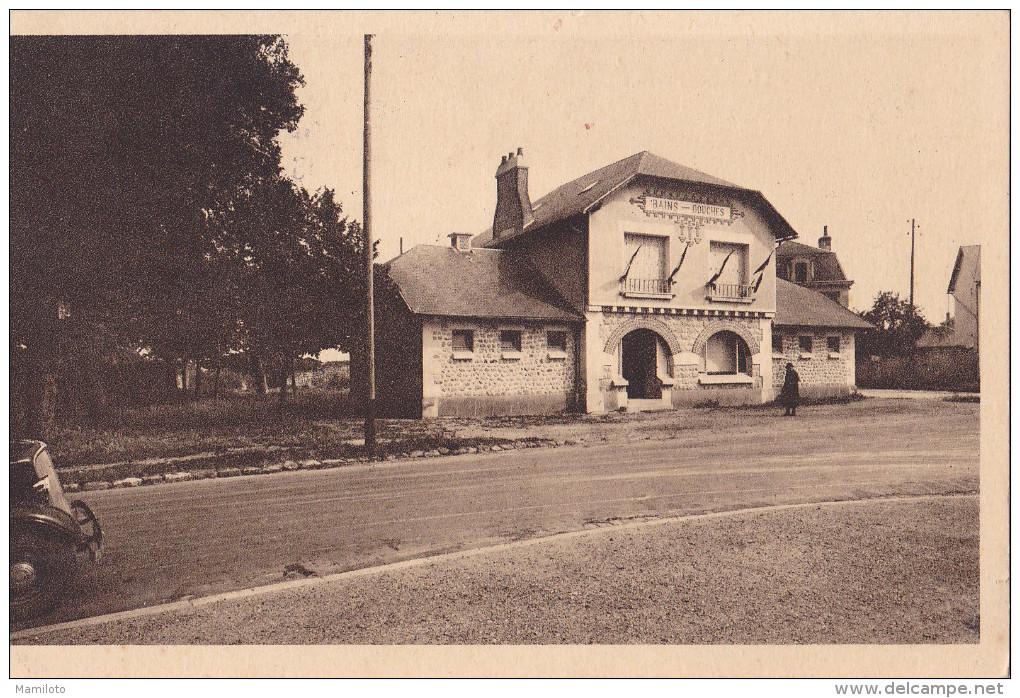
(509, 344)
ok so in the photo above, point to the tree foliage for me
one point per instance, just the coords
(147, 198)
(898, 326)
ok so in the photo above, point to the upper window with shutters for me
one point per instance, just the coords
(729, 280)
(645, 274)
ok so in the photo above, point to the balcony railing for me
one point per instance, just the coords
(740, 293)
(656, 287)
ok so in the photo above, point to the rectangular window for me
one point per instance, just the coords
(777, 343)
(832, 343)
(731, 258)
(556, 340)
(463, 340)
(510, 340)
(805, 343)
(645, 264)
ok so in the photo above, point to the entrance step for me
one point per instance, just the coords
(646, 405)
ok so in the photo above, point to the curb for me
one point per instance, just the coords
(459, 555)
(311, 464)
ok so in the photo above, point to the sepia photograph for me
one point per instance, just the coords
(473, 343)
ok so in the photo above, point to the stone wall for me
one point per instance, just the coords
(821, 374)
(491, 381)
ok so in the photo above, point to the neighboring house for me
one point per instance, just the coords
(961, 330)
(816, 268)
(324, 375)
(817, 335)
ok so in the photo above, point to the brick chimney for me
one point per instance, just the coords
(513, 206)
(825, 242)
(460, 241)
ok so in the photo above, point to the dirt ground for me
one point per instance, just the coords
(878, 571)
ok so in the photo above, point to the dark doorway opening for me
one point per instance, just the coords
(639, 365)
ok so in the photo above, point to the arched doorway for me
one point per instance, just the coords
(639, 364)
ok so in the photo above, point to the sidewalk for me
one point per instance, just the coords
(917, 394)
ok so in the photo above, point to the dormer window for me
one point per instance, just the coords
(800, 271)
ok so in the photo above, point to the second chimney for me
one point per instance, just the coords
(825, 242)
(460, 241)
(513, 206)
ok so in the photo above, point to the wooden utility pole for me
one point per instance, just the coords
(366, 227)
(911, 264)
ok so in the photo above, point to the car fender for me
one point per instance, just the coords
(48, 519)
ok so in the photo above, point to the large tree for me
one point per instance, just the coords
(300, 263)
(127, 155)
(898, 326)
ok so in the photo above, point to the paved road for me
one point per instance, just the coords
(197, 538)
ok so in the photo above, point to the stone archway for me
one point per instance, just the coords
(753, 343)
(643, 323)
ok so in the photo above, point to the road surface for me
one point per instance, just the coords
(196, 538)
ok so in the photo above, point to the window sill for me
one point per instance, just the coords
(649, 296)
(463, 355)
(725, 378)
(556, 355)
(719, 299)
(835, 355)
(511, 355)
(806, 356)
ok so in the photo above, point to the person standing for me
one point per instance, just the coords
(789, 397)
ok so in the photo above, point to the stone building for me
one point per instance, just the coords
(817, 335)
(642, 285)
(813, 329)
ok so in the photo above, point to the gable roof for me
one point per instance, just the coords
(827, 266)
(581, 195)
(797, 306)
(442, 281)
(967, 251)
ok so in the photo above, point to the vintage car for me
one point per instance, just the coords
(49, 535)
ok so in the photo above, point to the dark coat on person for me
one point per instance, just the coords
(790, 395)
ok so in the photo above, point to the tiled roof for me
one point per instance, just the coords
(581, 194)
(435, 280)
(797, 306)
(827, 266)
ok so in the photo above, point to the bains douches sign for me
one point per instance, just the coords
(688, 215)
(674, 207)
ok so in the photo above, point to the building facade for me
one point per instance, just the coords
(965, 288)
(642, 285)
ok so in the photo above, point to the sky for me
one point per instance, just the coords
(857, 122)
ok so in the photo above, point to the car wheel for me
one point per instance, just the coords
(39, 565)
